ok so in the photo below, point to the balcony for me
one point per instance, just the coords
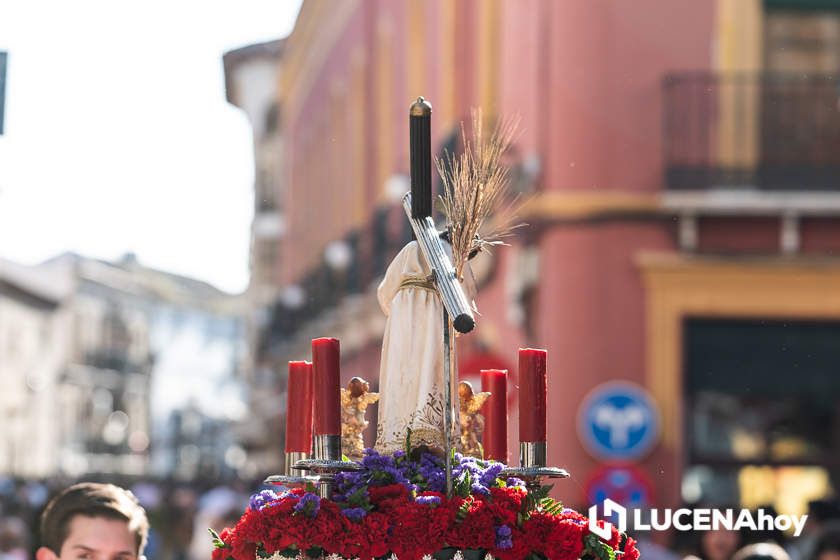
(754, 134)
(323, 288)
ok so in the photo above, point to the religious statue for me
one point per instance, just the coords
(472, 421)
(411, 374)
(417, 376)
(354, 402)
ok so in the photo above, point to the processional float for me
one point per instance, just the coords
(391, 502)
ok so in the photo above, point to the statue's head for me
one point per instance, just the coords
(446, 235)
(358, 387)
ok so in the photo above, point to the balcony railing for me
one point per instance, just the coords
(372, 247)
(772, 132)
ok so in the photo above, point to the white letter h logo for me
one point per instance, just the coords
(610, 507)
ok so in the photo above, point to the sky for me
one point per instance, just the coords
(118, 137)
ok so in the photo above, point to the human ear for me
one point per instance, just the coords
(45, 553)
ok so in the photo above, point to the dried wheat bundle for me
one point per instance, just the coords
(475, 196)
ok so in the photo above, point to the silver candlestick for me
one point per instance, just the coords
(532, 469)
(327, 463)
(293, 457)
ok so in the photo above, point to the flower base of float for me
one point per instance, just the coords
(446, 554)
(395, 506)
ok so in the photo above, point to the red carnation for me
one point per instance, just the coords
(410, 539)
(520, 549)
(376, 531)
(476, 529)
(554, 536)
(510, 497)
(222, 553)
(241, 548)
(565, 541)
(630, 550)
(506, 503)
(379, 494)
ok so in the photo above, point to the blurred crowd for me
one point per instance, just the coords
(179, 513)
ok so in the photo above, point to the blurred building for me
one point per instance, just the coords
(33, 342)
(252, 77)
(102, 354)
(684, 224)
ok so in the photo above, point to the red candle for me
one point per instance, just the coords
(327, 375)
(299, 408)
(532, 394)
(495, 414)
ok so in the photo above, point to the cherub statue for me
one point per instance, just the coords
(354, 402)
(472, 421)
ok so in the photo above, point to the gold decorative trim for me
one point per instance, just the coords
(418, 282)
(488, 56)
(580, 205)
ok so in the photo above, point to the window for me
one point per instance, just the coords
(761, 405)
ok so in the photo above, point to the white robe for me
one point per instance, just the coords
(411, 385)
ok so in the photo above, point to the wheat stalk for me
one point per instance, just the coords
(475, 189)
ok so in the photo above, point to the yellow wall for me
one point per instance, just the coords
(738, 50)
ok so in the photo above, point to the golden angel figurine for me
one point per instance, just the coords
(354, 402)
(472, 421)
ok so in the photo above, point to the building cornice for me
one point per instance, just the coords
(558, 206)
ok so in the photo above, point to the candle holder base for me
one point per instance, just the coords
(291, 481)
(533, 475)
(526, 473)
(532, 469)
(326, 464)
(325, 471)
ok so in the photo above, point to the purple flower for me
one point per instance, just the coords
(373, 461)
(513, 481)
(488, 477)
(432, 470)
(354, 514)
(428, 500)
(503, 538)
(262, 499)
(308, 505)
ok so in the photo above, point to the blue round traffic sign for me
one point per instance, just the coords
(618, 421)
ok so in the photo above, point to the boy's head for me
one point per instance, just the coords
(93, 521)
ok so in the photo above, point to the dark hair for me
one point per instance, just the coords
(92, 499)
(829, 541)
(761, 551)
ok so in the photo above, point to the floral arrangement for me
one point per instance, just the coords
(396, 506)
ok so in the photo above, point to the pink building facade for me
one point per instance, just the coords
(623, 255)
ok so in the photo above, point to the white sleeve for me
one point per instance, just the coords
(390, 284)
